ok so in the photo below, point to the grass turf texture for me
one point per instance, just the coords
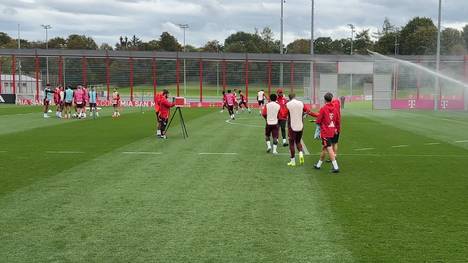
(105, 204)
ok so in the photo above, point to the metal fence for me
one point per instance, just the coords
(201, 77)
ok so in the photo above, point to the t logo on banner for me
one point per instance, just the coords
(412, 104)
(1, 99)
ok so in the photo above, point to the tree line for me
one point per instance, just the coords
(417, 37)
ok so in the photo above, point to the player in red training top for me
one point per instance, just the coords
(327, 118)
(57, 102)
(224, 102)
(336, 138)
(230, 100)
(164, 112)
(270, 112)
(236, 102)
(157, 108)
(283, 116)
(243, 101)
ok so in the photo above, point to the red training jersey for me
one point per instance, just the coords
(337, 105)
(283, 114)
(327, 118)
(165, 107)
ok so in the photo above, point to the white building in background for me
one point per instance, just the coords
(25, 85)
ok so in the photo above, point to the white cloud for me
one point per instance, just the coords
(106, 20)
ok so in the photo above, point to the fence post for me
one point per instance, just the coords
(153, 69)
(37, 76)
(108, 75)
(13, 72)
(85, 72)
(224, 74)
(247, 78)
(60, 71)
(418, 80)
(130, 61)
(201, 80)
(0, 75)
(177, 74)
(269, 78)
(291, 76)
(465, 94)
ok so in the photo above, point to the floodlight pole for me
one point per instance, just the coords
(312, 51)
(46, 28)
(281, 41)
(184, 27)
(437, 82)
(19, 61)
(351, 75)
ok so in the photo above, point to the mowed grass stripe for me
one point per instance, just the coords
(398, 204)
(27, 161)
(176, 207)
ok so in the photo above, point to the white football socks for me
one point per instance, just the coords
(335, 165)
(319, 164)
(268, 143)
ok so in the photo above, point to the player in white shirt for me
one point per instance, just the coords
(296, 110)
(270, 112)
(261, 99)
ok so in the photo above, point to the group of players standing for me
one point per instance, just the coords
(279, 111)
(67, 98)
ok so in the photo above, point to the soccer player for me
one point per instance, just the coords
(336, 138)
(243, 101)
(236, 103)
(283, 116)
(164, 112)
(93, 102)
(85, 100)
(48, 94)
(326, 119)
(271, 112)
(296, 110)
(79, 101)
(57, 102)
(224, 102)
(68, 102)
(261, 99)
(116, 103)
(157, 109)
(230, 100)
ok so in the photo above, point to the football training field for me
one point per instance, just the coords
(107, 190)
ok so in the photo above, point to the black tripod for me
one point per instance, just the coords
(182, 122)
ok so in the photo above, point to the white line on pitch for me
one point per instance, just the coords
(217, 153)
(432, 143)
(142, 153)
(400, 146)
(3, 151)
(243, 124)
(403, 155)
(304, 147)
(456, 121)
(364, 149)
(461, 141)
(63, 152)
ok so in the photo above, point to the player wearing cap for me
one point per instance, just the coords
(327, 117)
(283, 116)
(164, 112)
(296, 110)
(270, 112)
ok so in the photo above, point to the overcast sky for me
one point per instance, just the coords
(106, 20)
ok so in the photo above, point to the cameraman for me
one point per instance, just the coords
(164, 112)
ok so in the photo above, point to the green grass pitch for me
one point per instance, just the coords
(107, 190)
